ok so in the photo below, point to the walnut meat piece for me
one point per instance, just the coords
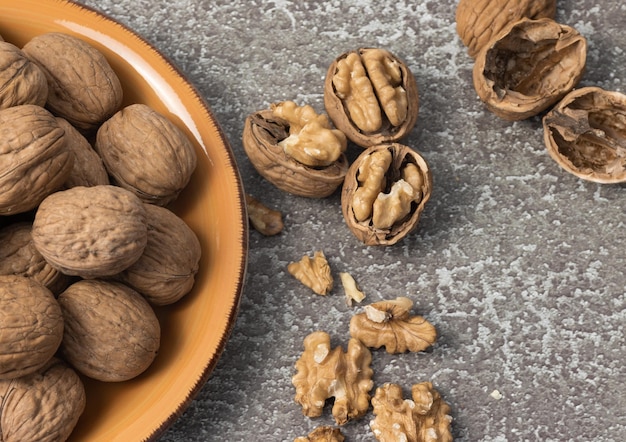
(389, 324)
(313, 272)
(529, 67)
(34, 161)
(384, 193)
(323, 434)
(146, 153)
(83, 88)
(266, 221)
(91, 231)
(424, 418)
(42, 406)
(585, 134)
(31, 326)
(323, 373)
(21, 80)
(111, 332)
(166, 270)
(296, 149)
(371, 95)
(478, 21)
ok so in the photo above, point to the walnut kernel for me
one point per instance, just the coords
(323, 434)
(353, 294)
(313, 272)
(266, 221)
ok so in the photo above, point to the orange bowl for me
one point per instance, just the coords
(195, 329)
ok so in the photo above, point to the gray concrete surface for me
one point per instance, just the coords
(519, 264)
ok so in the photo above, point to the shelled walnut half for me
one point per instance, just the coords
(313, 272)
(384, 193)
(296, 149)
(389, 324)
(371, 95)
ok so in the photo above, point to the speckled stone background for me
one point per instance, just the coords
(518, 264)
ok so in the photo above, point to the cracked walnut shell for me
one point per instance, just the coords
(371, 95)
(585, 134)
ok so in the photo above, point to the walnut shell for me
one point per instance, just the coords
(42, 406)
(91, 231)
(21, 80)
(83, 88)
(262, 132)
(34, 161)
(367, 182)
(585, 133)
(529, 67)
(31, 326)
(146, 153)
(111, 332)
(380, 103)
(478, 21)
(166, 270)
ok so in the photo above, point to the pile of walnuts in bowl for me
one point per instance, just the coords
(88, 247)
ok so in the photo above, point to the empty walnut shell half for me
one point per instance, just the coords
(384, 193)
(262, 133)
(585, 134)
(529, 67)
(371, 96)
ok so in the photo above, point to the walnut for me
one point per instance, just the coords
(82, 86)
(42, 406)
(91, 231)
(323, 434)
(34, 161)
(166, 270)
(31, 326)
(478, 21)
(389, 324)
(266, 221)
(21, 80)
(323, 373)
(353, 294)
(18, 256)
(146, 153)
(425, 418)
(111, 332)
(586, 134)
(384, 193)
(296, 149)
(314, 273)
(371, 95)
(529, 67)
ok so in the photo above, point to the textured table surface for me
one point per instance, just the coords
(518, 264)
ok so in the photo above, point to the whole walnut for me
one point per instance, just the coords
(83, 88)
(146, 153)
(34, 161)
(21, 80)
(43, 406)
(31, 326)
(111, 332)
(166, 270)
(91, 231)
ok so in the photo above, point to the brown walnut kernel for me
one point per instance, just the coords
(323, 373)
(529, 67)
(384, 193)
(296, 149)
(313, 272)
(389, 324)
(21, 80)
(585, 134)
(424, 418)
(371, 96)
(479, 21)
(264, 220)
(323, 434)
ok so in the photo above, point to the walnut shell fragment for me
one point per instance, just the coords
(267, 221)
(585, 134)
(264, 138)
(389, 324)
(42, 406)
(323, 434)
(384, 193)
(323, 373)
(371, 95)
(424, 417)
(21, 80)
(313, 272)
(31, 326)
(528, 67)
(478, 21)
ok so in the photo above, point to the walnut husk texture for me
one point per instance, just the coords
(21, 80)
